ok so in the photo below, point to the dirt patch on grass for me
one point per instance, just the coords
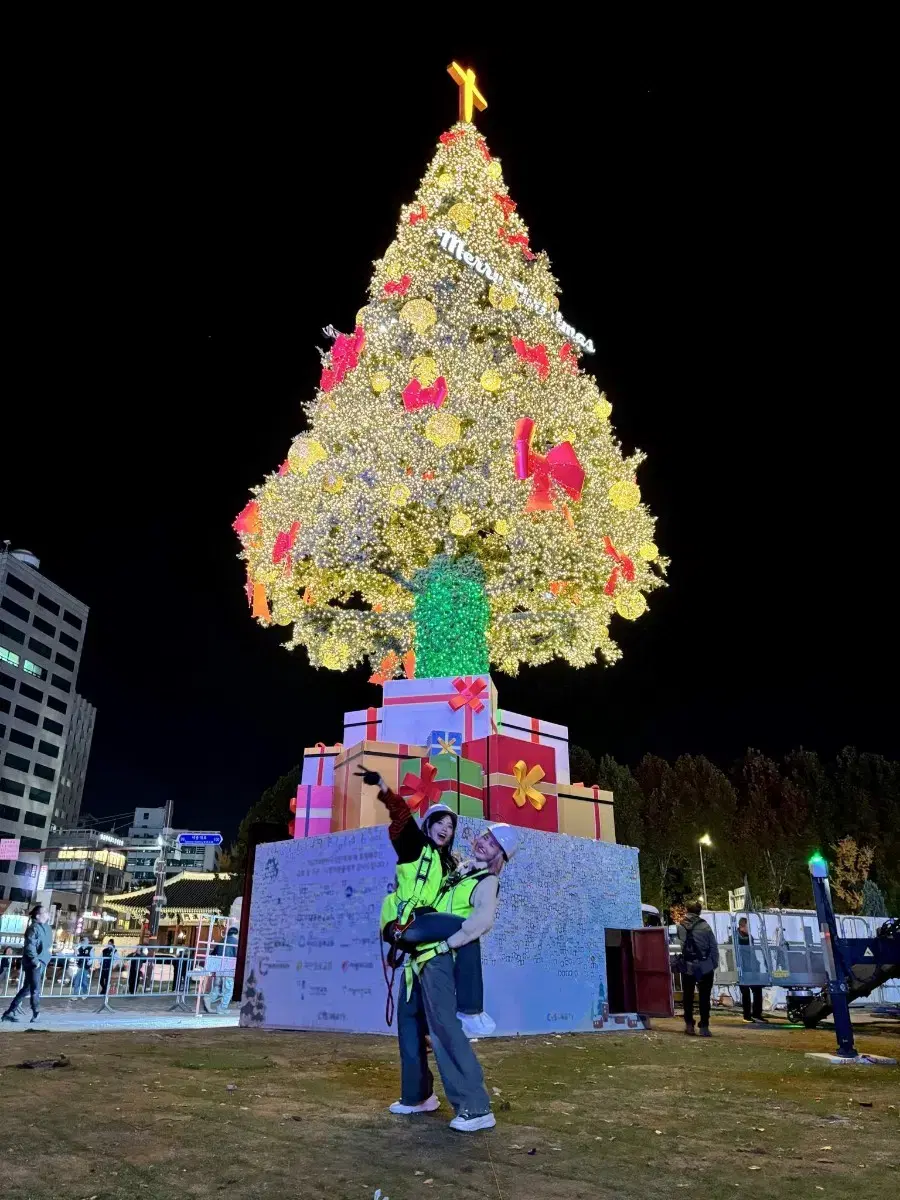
(250, 1114)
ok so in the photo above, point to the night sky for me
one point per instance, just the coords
(186, 224)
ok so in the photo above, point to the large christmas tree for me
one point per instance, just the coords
(459, 491)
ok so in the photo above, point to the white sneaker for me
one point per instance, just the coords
(471, 1124)
(477, 1025)
(404, 1110)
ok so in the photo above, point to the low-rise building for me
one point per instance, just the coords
(80, 867)
(145, 843)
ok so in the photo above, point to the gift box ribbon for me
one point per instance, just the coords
(421, 789)
(525, 792)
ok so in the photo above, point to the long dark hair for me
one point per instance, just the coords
(449, 860)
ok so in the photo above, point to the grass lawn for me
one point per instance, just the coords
(246, 1113)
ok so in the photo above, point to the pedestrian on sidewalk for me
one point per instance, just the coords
(84, 953)
(35, 957)
(108, 954)
(752, 995)
(223, 982)
(698, 960)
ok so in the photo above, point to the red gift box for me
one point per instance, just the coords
(499, 756)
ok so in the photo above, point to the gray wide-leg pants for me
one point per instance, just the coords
(431, 1008)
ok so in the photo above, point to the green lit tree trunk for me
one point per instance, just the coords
(451, 616)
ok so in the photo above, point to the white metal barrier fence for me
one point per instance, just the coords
(186, 977)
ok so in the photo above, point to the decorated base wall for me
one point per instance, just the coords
(314, 957)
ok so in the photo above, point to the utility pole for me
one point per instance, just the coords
(159, 896)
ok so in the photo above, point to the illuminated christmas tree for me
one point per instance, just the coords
(459, 491)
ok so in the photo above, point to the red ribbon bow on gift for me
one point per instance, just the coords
(344, 356)
(284, 542)
(535, 355)
(415, 396)
(624, 565)
(392, 288)
(420, 215)
(387, 668)
(559, 466)
(469, 694)
(518, 239)
(508, 206)
(420, 789)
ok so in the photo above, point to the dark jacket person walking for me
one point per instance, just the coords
(35, 957)
(699, 958)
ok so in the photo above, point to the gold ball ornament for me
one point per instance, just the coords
(379, 382)
(501, 526)
(332, 484)
(649, 552)
(462, 215)
(460, 524)
(335, 655)
(445, 179)
(494, 169)
(624, 495)
(305, 453)
(491, 380)
(398, 494)
(425, 369)
(443, 429)
(631, 605)
(420, 314)
(506, 301)
(602, 408)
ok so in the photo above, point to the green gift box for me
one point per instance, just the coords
(460, 780)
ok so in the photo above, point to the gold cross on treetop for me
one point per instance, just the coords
(469, 95)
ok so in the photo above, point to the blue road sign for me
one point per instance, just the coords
(199, 839)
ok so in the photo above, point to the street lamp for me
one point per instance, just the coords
(706, 840)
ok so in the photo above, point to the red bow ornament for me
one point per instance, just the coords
(421, 789)
(451, 136)
(387, 668)
(400, 288)
(482, 146)
(535, 355)
(560, 467)
(344, 357)
(247, 520)
(517, 239)
(420, 214)
(469, 694)
(567, 358)
(508, 206)
(415, 396)
(284, 542)
(624, 566)
(284, 468)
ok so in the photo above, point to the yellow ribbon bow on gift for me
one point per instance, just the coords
(447, 746)
(526, 790)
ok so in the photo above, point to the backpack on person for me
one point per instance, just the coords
(689, 960)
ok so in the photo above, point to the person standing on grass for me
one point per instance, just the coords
(698, 960)
(428, 993)
(35, 957)
(752, 996)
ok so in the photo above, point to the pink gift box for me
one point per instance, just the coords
(541, 733)
(318, 763)
(463, 704)
(312, 805)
